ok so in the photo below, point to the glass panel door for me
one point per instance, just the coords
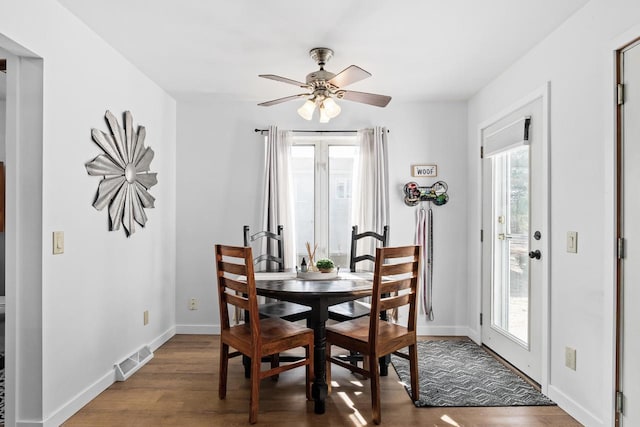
(342, 160)
(510, 291)
(303, 178)
(323, 172)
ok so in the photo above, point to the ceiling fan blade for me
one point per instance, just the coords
(283, 80)
(280, 100)
(349, 75)
(366, 98)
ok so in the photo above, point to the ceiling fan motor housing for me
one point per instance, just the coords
(320, 78)
(321, 55)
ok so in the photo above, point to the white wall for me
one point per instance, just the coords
(219, 189)
(93, 296)
(577, 60)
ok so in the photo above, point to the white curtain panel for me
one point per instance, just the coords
(277, 203)
(371, 189)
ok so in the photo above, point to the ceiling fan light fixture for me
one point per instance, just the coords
(331, 108)
(324, 117)
(307, 109)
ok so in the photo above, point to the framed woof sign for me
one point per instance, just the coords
(424, 171)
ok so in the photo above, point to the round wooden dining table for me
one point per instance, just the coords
(319, 295)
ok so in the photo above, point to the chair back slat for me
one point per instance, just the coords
(394, 285)
(395, 301)
(237, 269)
(274, 257)
(236, 285)
(356, 238)
(396, 269)
(235, 261)
(237, 300)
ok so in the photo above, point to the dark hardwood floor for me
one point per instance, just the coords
(179, 387)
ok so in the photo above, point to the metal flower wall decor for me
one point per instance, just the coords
(124, 167)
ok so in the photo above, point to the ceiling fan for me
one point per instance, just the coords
(324, 87)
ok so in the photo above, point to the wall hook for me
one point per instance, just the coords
(436, 193)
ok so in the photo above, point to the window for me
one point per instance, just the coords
(323, 170)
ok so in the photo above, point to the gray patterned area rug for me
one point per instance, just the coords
(461, 373)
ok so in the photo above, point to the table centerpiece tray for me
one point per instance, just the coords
(317, 275)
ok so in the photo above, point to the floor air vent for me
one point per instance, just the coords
(131, 364)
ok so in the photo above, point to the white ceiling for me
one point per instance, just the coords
(415, 49)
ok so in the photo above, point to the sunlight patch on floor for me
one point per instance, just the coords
(356, 417)
(356, 383)
(447, 419)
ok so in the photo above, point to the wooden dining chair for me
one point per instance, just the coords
(358, 308)
(396, 270)
(256, 338)
(274, 262)
(355, 309)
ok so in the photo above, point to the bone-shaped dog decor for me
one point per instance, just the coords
(436, 193)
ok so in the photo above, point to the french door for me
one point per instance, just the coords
(323, 170)
(514, 249)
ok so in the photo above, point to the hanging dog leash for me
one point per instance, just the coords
(422, 241)
(429, 310)
(414, 194)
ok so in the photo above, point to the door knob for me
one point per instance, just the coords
(535, 254)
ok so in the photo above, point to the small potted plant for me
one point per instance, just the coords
(325, 265)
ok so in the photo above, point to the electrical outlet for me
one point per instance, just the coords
(570, 358)
(146, 317)
(193, 304)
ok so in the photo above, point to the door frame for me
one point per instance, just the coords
(619, 229)
(543, 93)
(23, 233)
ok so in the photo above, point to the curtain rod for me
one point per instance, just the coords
(314, 131)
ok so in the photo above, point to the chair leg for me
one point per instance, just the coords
(353, 359)
(224, 363)
(375, 388)
(255, 389)
(413, 368)
(328, 367)
(275, 362)
(246, 363)
(308, 352)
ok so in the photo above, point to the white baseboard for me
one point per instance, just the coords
(455, 331)
(475, 335)
(163, 338)
(198, 329)
(74, 405)
(572, 408)
(91, 392)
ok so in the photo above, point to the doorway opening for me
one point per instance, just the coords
(515, 242)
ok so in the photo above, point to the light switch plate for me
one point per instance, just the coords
(58, 242)
(572, 242)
